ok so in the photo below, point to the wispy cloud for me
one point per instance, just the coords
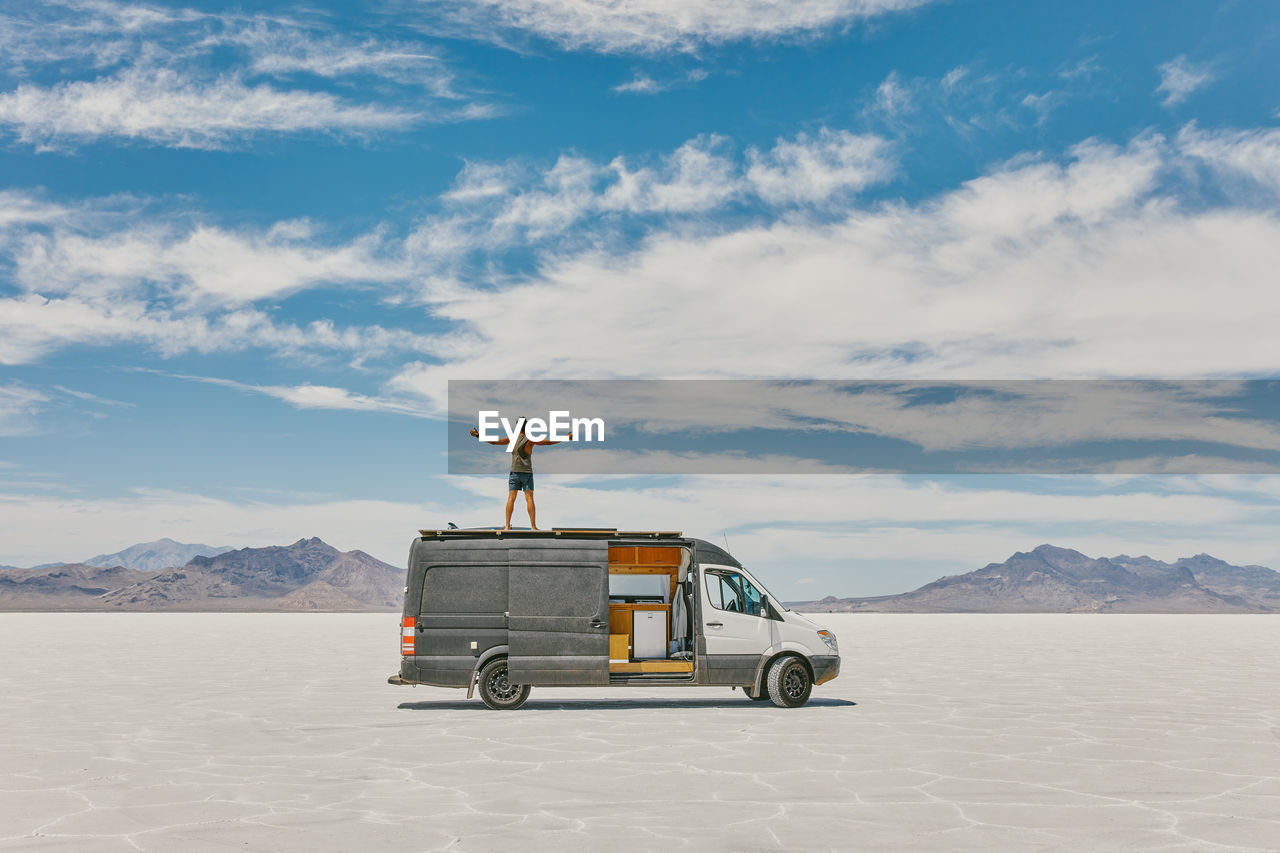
(1248, 156)
(18, 407)
(93, 398)
(643, 84)
(814, 169)
(308, 396)
(190, 263)
(497, 206)
(1037, 269)
(1179, 77)
(32, 326)
(137, 73)
(162, 107)
(894, 98)
(654, 26)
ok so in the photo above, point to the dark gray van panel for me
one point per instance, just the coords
(457, 595)
(571, 580)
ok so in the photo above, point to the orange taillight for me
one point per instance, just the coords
(406, 635)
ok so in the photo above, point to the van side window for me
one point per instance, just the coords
(713, 590)
(464, 589)
(732, 592)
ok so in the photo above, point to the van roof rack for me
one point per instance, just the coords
(569, 532)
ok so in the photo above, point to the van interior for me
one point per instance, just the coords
(650, 614)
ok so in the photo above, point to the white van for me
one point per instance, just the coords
(504, 611)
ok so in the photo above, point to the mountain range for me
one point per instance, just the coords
(307, 575)
(1050, 579)
(156, 556)
(310, 575)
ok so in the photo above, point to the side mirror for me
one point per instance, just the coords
(764, 606)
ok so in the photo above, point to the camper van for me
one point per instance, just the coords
(503, 611)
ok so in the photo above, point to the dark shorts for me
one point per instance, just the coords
(520, 480)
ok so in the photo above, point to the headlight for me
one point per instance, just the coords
(830, 639)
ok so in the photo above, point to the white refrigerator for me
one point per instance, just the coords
(649, 634)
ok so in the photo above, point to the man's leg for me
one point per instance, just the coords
(511, 502)
(528, 502)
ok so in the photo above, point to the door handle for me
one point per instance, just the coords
(596, 623)
(715, 624)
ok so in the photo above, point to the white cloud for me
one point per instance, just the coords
(1251, 155)
(651, 26)
(279, 48)
(496, 206)
(1179, 77)
(162, 107)
(813, 170)
(18, 407)
(196, 263)
(954, 77)
(93, 398)
(102, 273)
(308, 396)
(1042, 105)
(1089, 269)
(185, 78)
(32, 326)
(895, 98)
(18, 208)
(641, 84)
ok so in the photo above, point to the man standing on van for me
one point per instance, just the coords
(521, 476)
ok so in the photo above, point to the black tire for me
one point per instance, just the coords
(789, 682)
(496, 691)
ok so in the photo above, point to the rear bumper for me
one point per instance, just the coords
(825, 667)
(398, 681)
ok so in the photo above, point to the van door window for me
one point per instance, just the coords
(732, 592)
(713, 590)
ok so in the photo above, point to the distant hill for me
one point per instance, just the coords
(307, 575)
(1059, 580)
(66, 586)
(155, 556)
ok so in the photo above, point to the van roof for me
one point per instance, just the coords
(555, 532)
(490, 538)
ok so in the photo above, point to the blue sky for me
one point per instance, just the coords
(242, 251)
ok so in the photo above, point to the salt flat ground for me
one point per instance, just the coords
(278, 732)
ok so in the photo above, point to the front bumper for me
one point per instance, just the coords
(825, 667)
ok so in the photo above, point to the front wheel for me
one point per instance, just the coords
(789, 682)
(496, 691)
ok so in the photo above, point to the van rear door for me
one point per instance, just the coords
(558, 600)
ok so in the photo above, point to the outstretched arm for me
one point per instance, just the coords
(544, 442)
(475, 432)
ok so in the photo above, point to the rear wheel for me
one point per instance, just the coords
(496, 691)
(789, 682)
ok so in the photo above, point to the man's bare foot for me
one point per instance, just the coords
(533, 528)
(508, 527)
